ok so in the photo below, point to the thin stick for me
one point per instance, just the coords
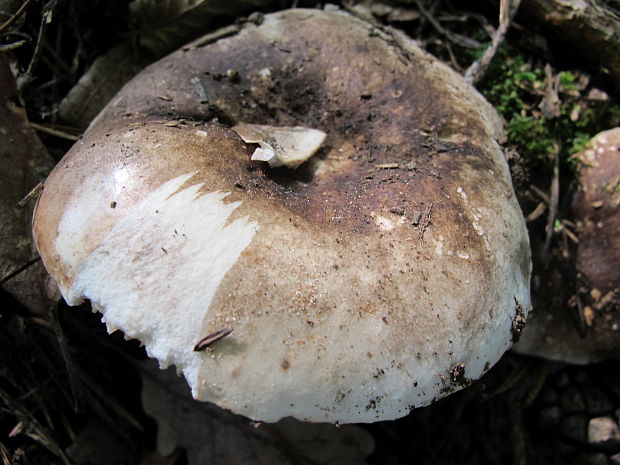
(478, 68)
(16, 16)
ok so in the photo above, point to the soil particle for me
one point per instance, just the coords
(518, 323)
(457, 372)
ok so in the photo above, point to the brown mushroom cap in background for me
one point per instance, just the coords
(390, 269)
(590, 330)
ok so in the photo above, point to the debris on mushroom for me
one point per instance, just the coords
(281, 146)
(336, 292)
(585, 328)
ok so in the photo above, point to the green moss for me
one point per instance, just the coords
(515, 84)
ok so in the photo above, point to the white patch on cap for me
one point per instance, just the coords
(154, 275)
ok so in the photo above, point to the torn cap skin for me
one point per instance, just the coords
(281, 146)
(388, 270)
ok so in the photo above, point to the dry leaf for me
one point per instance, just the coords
(25, 163)
(213, 435)
(104, 78)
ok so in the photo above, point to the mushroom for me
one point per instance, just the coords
(388, 270)
(585, 328)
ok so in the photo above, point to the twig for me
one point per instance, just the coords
(478, 68)
(12, 46)
(553, 205)
(19, 270)
(571, 235)
(54, 132)
(36, 190)
(453, 60)
(536, 213)
(214, 36)
(540, 193)
(458, 39)
(46, 18)
(16, 16)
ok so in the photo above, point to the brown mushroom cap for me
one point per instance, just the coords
(382, 274)
(590, 330)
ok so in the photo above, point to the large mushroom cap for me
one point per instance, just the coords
(388, 270)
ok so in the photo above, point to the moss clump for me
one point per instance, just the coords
(516, 86)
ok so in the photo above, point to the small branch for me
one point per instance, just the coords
(478, 68)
